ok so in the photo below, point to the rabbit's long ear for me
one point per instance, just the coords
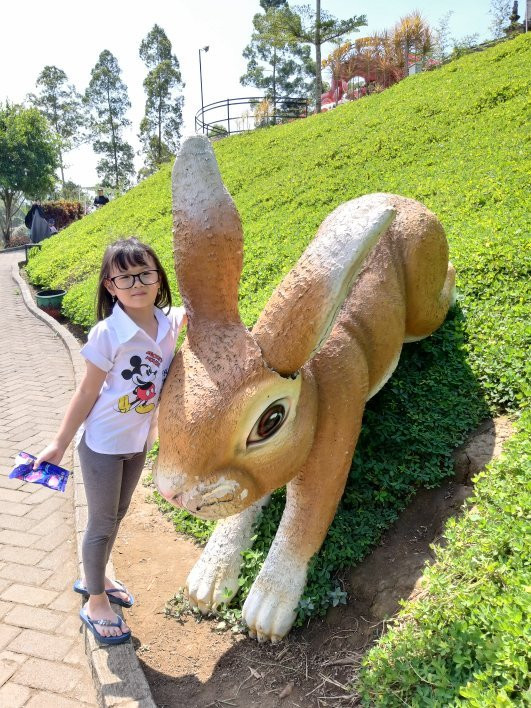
(208, 238)
(301, 312)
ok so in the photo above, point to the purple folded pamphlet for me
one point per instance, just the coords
(47, 474)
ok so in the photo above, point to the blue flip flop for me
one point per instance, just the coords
(82, 590)
(91, 624)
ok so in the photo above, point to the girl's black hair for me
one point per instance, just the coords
(122, 254)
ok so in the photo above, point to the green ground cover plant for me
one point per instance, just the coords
(467, 640)
(456, 140)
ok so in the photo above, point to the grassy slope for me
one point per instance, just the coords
(455, 139)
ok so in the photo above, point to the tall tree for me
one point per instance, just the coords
(107, 99)
(276, 62)
(28, 159)
(514, 27)
(500, 11)
(160, 129)
(316, 27)
(275, 4)
(62, 105)
(441, 37)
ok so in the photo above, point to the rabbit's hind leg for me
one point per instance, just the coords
(214, 578)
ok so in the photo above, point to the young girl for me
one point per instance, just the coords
(128, 354)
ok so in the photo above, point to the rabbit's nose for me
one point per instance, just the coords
(165, 486)
(167, 494)
(175, 499)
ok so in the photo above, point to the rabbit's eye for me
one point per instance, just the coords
(269, 422)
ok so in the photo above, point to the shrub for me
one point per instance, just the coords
(62, 212)
(218, 131)
(19, 236)
(19, 240)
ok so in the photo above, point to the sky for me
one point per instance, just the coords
(71, 37)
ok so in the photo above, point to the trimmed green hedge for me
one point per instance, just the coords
(455, 139)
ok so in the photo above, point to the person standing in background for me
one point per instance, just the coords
(101, 199)
(37, 224)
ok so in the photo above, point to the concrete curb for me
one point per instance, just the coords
(118, 678)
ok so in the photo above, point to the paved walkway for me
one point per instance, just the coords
(42, 658)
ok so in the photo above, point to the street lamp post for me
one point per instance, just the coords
(203, 49)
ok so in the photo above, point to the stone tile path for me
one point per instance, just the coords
(42, 658)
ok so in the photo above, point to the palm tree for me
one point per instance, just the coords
(336, 62)
(384, 57)
(389, 68)
(374, 59)
(411, 35)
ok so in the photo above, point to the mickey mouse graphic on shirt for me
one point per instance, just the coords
(143, 376)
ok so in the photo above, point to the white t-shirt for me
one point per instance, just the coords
(136, 367)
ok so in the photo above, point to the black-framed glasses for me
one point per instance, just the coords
(146, 277)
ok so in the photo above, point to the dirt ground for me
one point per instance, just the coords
(187, 663)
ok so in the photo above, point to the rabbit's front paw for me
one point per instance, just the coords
(212, 581)
(271, 606)
(214, 578)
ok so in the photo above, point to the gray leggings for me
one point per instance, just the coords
(110, 481)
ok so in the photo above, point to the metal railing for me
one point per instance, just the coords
(224, 120)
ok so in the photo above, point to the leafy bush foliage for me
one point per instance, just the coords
(454, 139)
(19, 240)
(19, 236)
(63, 212)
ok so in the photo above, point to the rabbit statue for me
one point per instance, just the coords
(245, 412)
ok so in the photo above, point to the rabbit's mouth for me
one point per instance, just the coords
(222, 500)
(208, 510)
(177, 500)
(206, 505)
(209, 500)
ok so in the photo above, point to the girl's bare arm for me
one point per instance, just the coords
(153, 430)
(78, 409)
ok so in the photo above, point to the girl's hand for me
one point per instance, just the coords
(52, 453)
